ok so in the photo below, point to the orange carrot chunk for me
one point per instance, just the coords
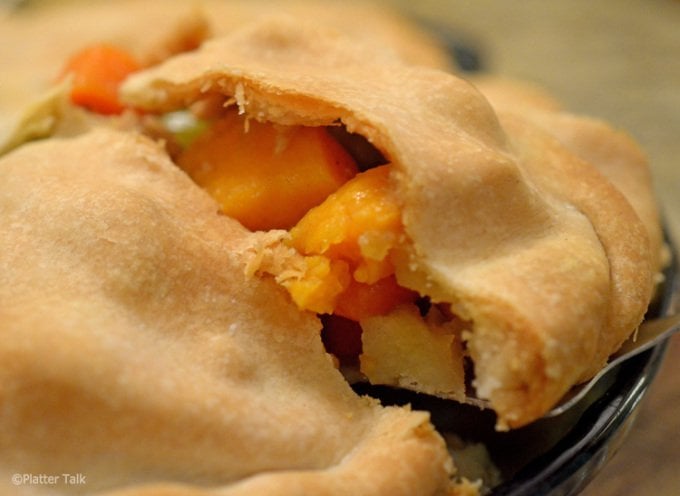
(98, 71)
(263, 175)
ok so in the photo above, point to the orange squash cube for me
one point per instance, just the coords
(359, 224)
(263, 175)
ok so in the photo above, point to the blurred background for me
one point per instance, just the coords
(618, 60)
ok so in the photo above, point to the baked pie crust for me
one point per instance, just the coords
(147, 343)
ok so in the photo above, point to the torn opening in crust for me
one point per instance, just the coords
(340, 244)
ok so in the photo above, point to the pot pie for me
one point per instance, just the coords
(312, 204)
(470, 230)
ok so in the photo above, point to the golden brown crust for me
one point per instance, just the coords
(613, 152)
(520, 235)
(618, 159)
(136, 351)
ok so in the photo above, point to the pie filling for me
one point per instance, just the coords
(334, 198)
(331, 196)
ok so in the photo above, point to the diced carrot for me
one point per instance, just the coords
(266, 176)
(98, 71)
(360, 301)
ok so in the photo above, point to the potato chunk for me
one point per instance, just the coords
(403, 349)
